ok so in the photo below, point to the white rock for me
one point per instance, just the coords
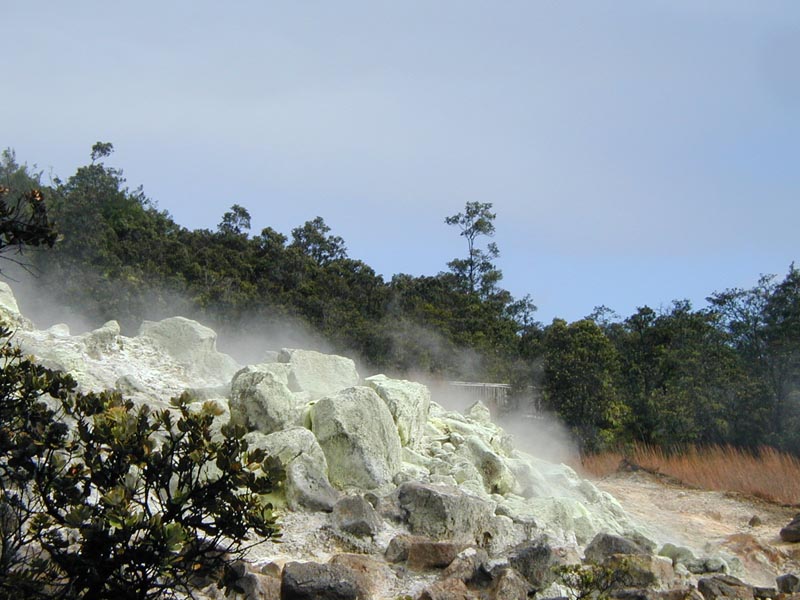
(307, 484)
(408, 402)
(319, 374)
(356, 431)
(192, 345)
(261, 401)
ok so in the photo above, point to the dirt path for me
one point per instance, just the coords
(710, 522)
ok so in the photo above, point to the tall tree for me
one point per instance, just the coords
(477, 272)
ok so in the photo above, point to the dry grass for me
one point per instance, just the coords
(768, 474)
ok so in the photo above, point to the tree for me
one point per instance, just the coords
(477, 273)
(101, 499)
(580, 370)
(24, 221)
(236, 221)
(313, 239)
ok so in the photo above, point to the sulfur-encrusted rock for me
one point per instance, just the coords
(318, 374)
(409, 404)
(192, 345)
(307, 484)
(444, 512)
(356, 431)
(261, 401)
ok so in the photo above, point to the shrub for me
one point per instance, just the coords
(102, 499)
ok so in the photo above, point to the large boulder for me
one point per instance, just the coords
(356, 431)
(318, 374)
(192, 345)
(408, 402)
(261, 401)
(445, 512)
(307, 484)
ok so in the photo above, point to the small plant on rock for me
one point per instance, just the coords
(102, 499)
(592, 580)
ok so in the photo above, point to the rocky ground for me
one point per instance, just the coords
(710, 522)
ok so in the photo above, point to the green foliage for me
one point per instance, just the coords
(580, 373)
(101, 499)
(477, 272)
(592, 581)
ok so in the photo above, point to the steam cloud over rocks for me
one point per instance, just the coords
(369, 462)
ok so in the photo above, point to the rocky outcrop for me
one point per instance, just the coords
(356, 431)
(408, 402)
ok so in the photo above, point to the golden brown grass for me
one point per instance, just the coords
(767, 474)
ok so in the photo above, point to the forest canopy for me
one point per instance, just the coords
(727, 373)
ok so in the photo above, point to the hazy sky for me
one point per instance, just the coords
(635, 151)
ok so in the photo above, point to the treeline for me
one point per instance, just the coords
(723, 374)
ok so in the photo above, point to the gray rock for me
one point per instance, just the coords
(371, 575)
(444, 512)
(318, 374)
(641, 571)
(604, 545)
(427, 554)
(313, 581)
(724, 586)
(447, 589)
(535, 561)
(508, 584)
(408, 402)
(791, 533)
(356, 431)
(788, 583)
(306, 486)
(356, 516)
(764, 593)
(470, 567)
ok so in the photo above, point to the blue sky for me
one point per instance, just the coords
(635, 152)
